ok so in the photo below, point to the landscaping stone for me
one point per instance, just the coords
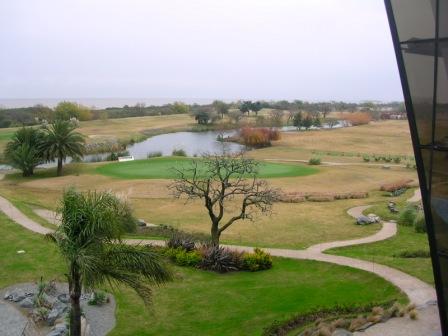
(375, 218)
(99, 320)
(53, 316)
(28, 302)
(51, 300)
(59, 329)
(364, 220)
(65, 298)
(17, 295)
(341, 332)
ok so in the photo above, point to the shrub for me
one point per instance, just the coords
(407, 216)
(357, 118)
(400, 184)
(179, 152)
(182, 257)
(181, 240)
(314, 161)
(98, 298)
(397, 159)
(413, 315)
(420, 222)
(366, 158)
(220, 259)
(259, 137)
(153, 154)
(398, 192)
(257, 261)
(128, 221)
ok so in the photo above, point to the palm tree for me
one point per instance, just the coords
(61, 141)
(23, 151)
(89, 241)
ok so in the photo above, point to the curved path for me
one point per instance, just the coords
(418, 291)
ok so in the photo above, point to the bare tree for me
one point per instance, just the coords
(219, 180)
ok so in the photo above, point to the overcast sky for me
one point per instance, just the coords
(254, 49)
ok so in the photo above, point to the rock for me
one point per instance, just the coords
(364, 220)
(375, 218)
(27, 303)
(341, 332)
(17, 295)
(51, 300)
(65, 298)
(20, 251)
(59, 329)
(141, 222)
(53, 316)
(61, 306)
(7, 296)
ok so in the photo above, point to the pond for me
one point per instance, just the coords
(193, 143)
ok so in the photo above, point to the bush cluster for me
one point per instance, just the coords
(394, 186)
(411, 216)
(220, 259)
(179, 152)
(259, 137)
(407, 216)
(183, 257)
(184, 251)
(181, 240)
(357, 118)
(257, 261)
(384, 158)
(413, 254)
(314, 161)
(153, 155)
(420, 222)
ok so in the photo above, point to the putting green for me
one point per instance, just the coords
(163, 168)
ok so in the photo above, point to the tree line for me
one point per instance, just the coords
(205, 113)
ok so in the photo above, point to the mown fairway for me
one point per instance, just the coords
(342, 145)
(165, 168)
(205, 303)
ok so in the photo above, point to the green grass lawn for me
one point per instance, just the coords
(204, 303)
(385, 252)
(163, 168)
(5, 135)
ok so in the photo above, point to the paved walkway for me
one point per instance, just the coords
(416, 197)
(12, 320)
(417, 291)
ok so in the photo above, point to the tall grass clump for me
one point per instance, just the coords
(153, 154)
(179, 152)
(314, 161)
(407, 216)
